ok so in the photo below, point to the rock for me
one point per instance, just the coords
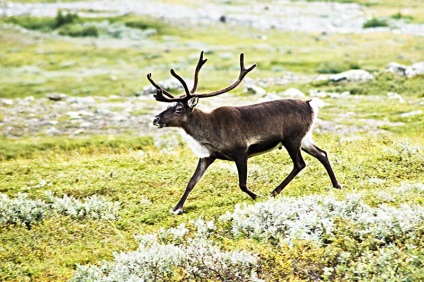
(254, 89)
(293, 92)
(7, 102)
(79, 114)
(83, 100)
(392, 95)
(413, 113)
(344, 94)
(270, 96)
(409, 71)
(318, 93)
(77, 132)
(52, 131)
(415, 69)
(86, 124)
(120, 118)
(352, 75)
(396, 68)
(49, 122)
(322, 94)
(56, 96)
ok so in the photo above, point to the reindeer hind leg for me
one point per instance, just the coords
(293, 148)
(309, 147)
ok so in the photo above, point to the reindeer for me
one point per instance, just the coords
(237, 133)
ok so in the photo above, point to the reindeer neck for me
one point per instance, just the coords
(196, 124)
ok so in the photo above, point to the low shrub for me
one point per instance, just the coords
(79, 31)
(144, 24)
(336, 67)
(33, 23)
(94, 207)
(66, 18)
(23, 210)
(320, 219)
(390, 263)
(45, 24)
(375, 22)
(174, 255)
(307, 238)
(400, 16)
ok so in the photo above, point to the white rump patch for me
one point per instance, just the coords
(307, 141)
(315, 104)
(198, 149)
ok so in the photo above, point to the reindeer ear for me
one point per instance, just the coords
(192, 102)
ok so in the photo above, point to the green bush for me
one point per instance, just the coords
(64, 19)
(336, 67)
(67, 23)
(79, 31)
(375, 22)
(33, 23)
(143, 23)
(45, 24)
(138, 24)
(400, 16)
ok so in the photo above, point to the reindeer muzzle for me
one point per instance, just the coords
(157, 122)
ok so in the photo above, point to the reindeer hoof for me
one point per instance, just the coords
(254, 196)
(338, 186)
(273, 194)
(177, 211)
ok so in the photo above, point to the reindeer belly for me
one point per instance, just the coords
(263, 147)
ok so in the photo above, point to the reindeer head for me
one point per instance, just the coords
(178, 113)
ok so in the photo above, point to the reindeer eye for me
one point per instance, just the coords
(178, 110)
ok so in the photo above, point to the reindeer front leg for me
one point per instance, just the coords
(202, 165)
(241, 163)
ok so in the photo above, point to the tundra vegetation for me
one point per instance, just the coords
(86, 186)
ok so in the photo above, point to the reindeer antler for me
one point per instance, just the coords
(160, 90)
(190, 94)
(196, 73)
(243, 73)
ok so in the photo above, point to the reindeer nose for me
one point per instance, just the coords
(156, 120)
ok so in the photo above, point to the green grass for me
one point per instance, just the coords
(410, 10)
(148, 181)
(149, 184)
(27, 148)
(336, 67)
(380, 86)
(53, 66)
(46, 1)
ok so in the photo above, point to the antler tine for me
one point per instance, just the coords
(196, 73)
(159, 96)
(159, 88)
(181, 80)
(243, 73)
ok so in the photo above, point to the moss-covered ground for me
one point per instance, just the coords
(148, 180)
